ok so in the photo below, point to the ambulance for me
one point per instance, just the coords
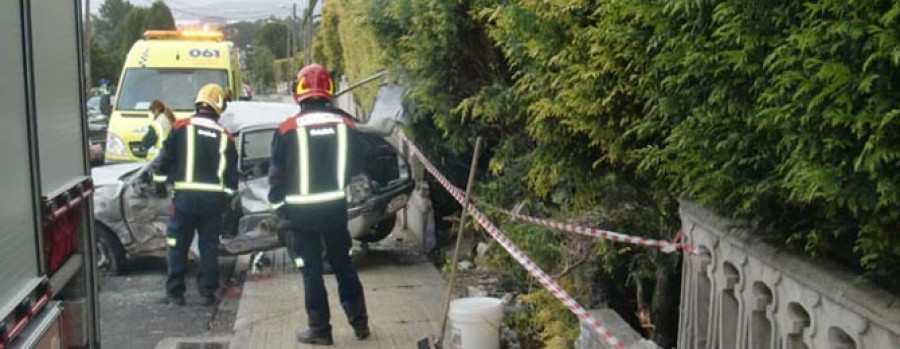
(171, 66)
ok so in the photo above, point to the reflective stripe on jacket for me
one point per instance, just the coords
(161, 128)
(310, 154)
(198, 156)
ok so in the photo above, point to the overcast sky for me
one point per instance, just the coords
(232, 10)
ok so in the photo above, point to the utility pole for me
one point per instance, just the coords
(287, 39)
(308, 23)
(308, 39)
(294, 40)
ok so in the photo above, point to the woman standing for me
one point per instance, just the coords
(163, 118)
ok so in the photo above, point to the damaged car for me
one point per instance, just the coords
(131, 212)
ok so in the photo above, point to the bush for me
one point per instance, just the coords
(779, 114)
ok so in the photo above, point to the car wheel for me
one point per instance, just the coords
(109, 251)
(381, 229)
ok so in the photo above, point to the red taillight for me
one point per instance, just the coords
(61, 239)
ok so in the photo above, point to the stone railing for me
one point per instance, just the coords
(742, 293)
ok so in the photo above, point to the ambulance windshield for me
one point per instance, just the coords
(175, 87)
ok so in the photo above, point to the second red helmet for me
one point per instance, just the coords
(313, 81)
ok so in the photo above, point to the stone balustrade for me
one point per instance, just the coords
(742, 293)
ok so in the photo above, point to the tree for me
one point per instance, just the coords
(273, 37)
(160, 16)
(261, 62)
(103, 65)
(112, 14)
(243, 32)
(119, 25)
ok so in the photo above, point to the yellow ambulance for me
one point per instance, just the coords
(171, 66)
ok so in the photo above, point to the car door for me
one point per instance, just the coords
(146, 208)
(256, 228)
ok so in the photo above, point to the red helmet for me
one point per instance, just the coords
(313, 81)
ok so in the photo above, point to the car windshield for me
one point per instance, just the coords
(175, 87)
(257, 144)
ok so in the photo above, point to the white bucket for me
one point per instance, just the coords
(475, 323)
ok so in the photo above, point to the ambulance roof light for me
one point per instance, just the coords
(184, 35)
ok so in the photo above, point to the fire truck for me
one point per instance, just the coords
(48, 288)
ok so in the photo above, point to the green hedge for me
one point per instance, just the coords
(782, 114)
(779, 113)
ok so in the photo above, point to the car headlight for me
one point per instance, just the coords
(114, 145)
(359, 190)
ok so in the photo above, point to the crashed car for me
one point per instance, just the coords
(131, 212)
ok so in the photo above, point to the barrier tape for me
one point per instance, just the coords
(535, 271)
(662, 245)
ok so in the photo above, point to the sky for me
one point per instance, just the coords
(192, 11)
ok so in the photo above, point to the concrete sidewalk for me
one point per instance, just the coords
(405, 295)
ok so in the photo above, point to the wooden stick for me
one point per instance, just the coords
(461, 228)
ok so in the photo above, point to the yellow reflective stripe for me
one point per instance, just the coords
(350, 253)
(298, 262)
(276, 205)
(303, 154)
(342, 154)
(315, 198)
(159, 178)
(171, 242)
(201, 187)
(223, 142)
(160, 133)
(189, 167)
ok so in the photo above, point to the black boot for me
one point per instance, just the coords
(172, 300)
(311, 336)
(207, 300)
(319, 330)
(359, 318)
(361, 332)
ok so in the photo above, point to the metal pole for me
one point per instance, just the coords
(360, 83)
(87, 42)
(459, 234)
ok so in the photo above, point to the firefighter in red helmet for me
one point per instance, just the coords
(312, 161)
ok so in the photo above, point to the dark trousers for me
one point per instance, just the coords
(308, 244)
(180, 230)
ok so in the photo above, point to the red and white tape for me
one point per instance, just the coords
(517, 254)
(662, 245)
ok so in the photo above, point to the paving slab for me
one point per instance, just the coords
(404, 294)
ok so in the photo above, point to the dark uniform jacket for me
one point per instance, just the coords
(314, 155)
(200, 161)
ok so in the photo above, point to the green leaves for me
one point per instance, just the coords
(780, 114)
(117, 27)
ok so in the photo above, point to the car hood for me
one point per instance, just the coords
(254, 195)
(112, 174)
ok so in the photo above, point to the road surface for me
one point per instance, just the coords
(131, 316)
